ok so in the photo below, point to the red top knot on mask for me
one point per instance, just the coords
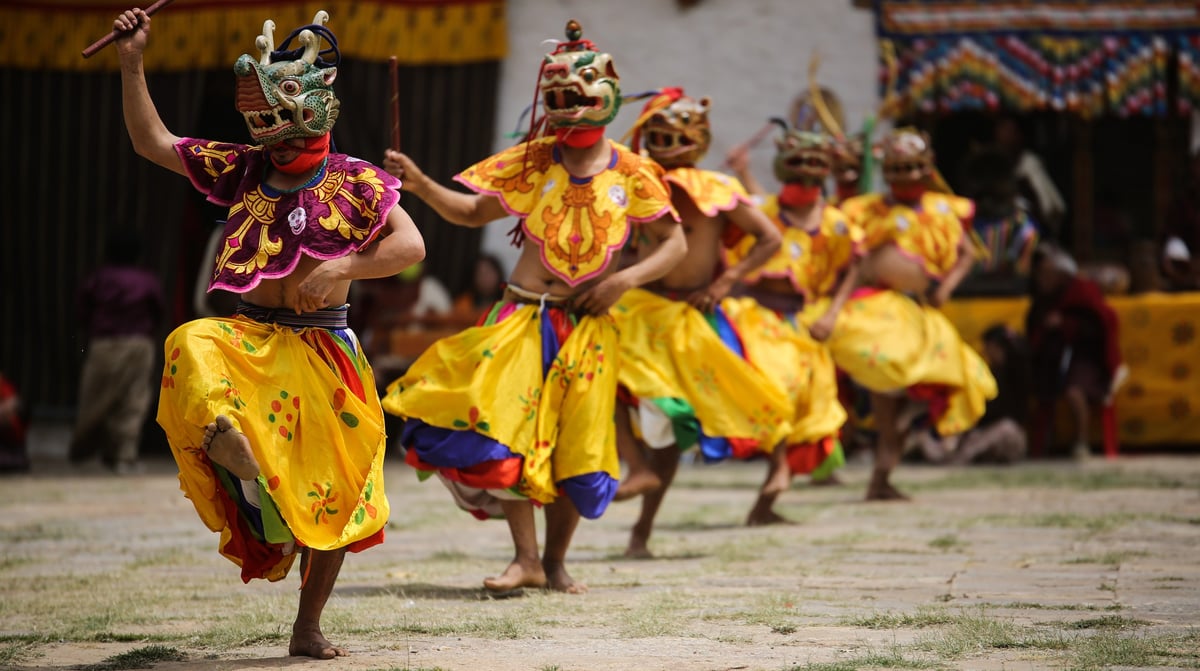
(664, 99)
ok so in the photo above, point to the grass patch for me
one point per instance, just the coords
(1051, 478)
(139, 658)
(1030, 605)
(1106, 622)
(12, 652)
(1114, 558)
(979, 632)
(661, 614)
(1109, 649)
(892, 659)
(946, 542)
(923, 617)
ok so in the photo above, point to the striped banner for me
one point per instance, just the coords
(203, 34)
(1091, 57)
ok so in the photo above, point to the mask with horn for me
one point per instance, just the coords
(287, 94)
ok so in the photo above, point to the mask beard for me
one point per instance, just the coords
(795, 194)
(314, 152)
(578, 137)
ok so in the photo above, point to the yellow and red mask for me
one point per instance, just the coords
(907, 162)
(579, 88)
(803, 161)
(674, 129)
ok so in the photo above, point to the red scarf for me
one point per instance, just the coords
(314, 152)
(579, 137)
(908, 193)
(795, 194)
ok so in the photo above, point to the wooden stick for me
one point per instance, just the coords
(394, 68)
(108, 39)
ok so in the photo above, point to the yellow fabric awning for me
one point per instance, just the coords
(206, 34)
(1159, 342)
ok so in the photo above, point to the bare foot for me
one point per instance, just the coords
(561, 581)
(760, 518)
(882, 490)
(638, 548)
(228, 447)
(313, 644)
(636, 484)
(777, 482)
(516, 576)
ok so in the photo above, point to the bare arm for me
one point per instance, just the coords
(966, 259)
(465, 209)
(738, 161)
(399, 249)
(149, 134)
(767, 240)
(823, 327)
(669, 248)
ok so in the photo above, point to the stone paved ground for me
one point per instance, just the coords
(1046, 565)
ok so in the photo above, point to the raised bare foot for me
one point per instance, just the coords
(762, 518)
(881, 489)
(313, 644)
(227, 447)
(636, 484)
(516, 576)
(561, 581)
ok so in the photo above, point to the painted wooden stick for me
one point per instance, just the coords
(394, 68)
(108, 39)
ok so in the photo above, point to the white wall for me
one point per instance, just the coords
(750, 56)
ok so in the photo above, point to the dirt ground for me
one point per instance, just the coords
(1047, 565)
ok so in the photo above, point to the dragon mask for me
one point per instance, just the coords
(802, 156)
(579, 86)
(285, 94)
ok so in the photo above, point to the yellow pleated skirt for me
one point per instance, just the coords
(675, 356)
(305, 399)
(888, 342)
(522, 404)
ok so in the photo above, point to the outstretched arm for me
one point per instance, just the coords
(401, 247)
(149, 134)
(767, 240)
(669, 248)
(465, 209)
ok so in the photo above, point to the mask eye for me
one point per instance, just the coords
(589, 74)
(685, 117)
(290, 86)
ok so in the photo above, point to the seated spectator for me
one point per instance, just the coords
(487, 286)
(14, 457)
(1181, 243)
(1073, 340)
(1005, 227)
(1000, 436)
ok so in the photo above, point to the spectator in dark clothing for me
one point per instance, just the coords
(1073, 340)
(121, 308)
(1000, 435)
(14, 457)
(1181, 243)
